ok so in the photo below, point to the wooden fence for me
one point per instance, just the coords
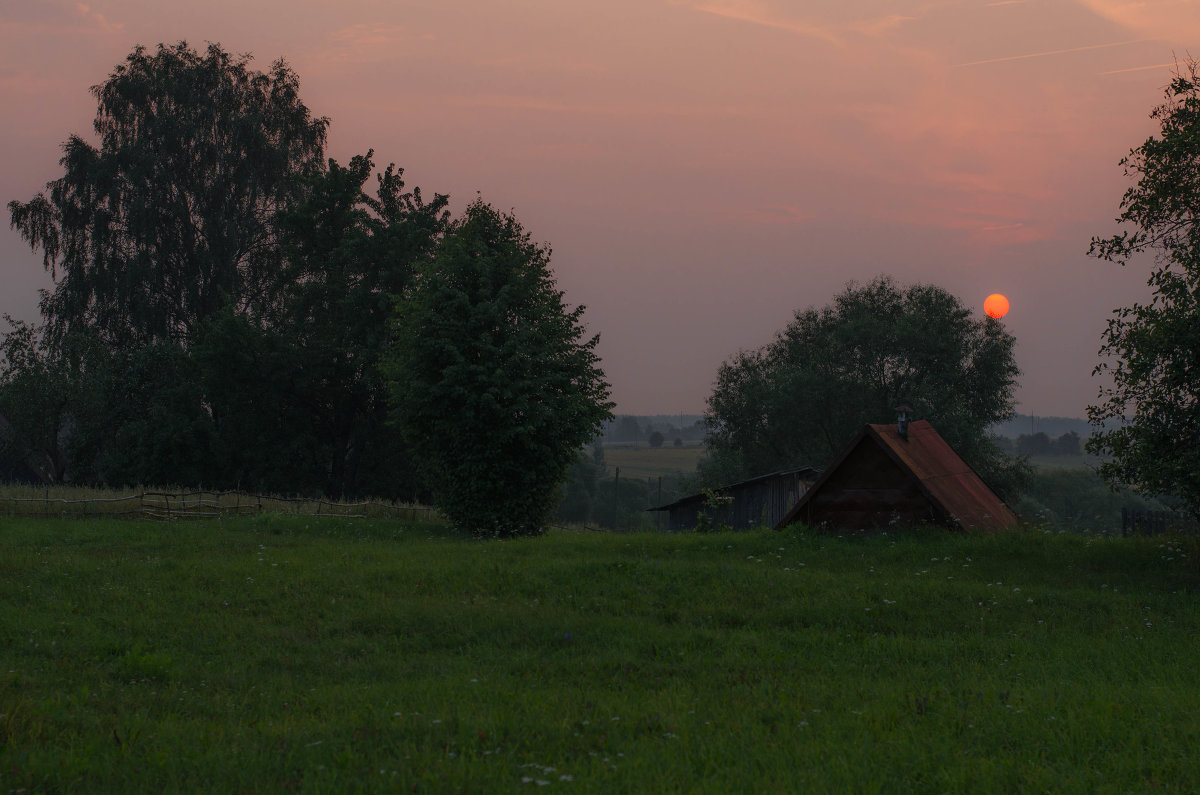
(169, 506)
(1153, 523)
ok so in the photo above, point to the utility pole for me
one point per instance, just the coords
(616, 492)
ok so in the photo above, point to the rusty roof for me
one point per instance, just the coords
(942, 475)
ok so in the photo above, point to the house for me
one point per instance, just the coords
(760, 501)
(903, 474)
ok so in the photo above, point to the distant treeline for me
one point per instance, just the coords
(1040, 444)
(1029, 424)
(635, 428)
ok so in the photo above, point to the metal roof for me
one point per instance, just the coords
(941, 474)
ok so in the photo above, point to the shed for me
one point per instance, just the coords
(760, 501)
(885, 477)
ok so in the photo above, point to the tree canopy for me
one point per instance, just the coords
(798, 400)
(495, 384)
(227, 290)
(1148, 417)
(170, 218)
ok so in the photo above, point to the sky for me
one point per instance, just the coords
(702, 169)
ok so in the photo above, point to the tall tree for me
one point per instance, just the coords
(170, 218)
(35, 398)
(496, 385)
(798, 400)
(347, 255)
(1148, 419)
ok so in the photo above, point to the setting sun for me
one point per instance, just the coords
(996, 305)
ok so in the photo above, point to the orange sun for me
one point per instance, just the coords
(996, 305)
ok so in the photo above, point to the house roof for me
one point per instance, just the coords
(943, 477)
(805, 472)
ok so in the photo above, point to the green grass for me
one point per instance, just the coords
(643, 461)
(278, 653)
(86, 502)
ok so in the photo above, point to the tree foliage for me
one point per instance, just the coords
(170, 218)
(1148, 420)
(234, 288)
(223, 305)
(346, 254)
(800, 399)
(496, 388)
(35, 397)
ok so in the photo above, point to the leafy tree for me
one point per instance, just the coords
(1148, 420)
(347, 253)
(141, 418)
(598, 453)
(1004, 444)
(798, 400)
(656, 439)
(240, 287)
(494, 385)
(627, 430)
(151, 235)
(579, 491)
(620, 503)
(170, 219)
(1068, 444)
(1034, 444)
(35, 390)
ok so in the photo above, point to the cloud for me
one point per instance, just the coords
(881, 25)
(520, 102)
(535, 62)
(372, 42)
(54, 19)
(1175, 21)
(757, 13)
(98, 20)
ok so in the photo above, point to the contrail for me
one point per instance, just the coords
(1140, 68)
(1051, 52)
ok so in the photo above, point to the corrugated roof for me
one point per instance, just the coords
(942, 475)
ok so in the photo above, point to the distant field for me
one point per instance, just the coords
(1066, 461)
(644, 461)
(280, 653)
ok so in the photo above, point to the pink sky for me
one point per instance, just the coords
(701, 168)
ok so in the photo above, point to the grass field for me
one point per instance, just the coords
(275, 653)
(643, 461)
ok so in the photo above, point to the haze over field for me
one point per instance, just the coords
(702, 168)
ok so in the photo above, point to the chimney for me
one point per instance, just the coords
(902, 416)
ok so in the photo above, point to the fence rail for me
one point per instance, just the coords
(1153, 523)
(171, 506)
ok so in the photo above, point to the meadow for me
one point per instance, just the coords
(642, 461)
(283, 653)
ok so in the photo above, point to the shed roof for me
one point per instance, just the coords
(806, 473)
(943, 477)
